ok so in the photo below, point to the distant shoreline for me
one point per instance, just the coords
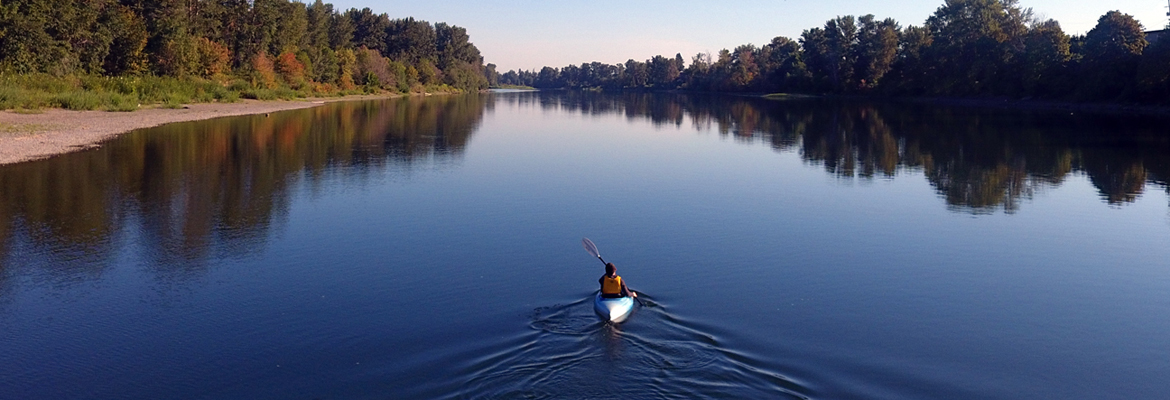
(34, 136)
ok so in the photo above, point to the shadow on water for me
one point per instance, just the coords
(567, 352)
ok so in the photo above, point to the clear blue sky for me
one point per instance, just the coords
(521, 34)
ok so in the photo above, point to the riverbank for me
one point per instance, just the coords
(28, 136)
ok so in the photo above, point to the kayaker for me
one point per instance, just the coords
(612, 285)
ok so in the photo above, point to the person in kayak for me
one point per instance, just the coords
(612, 285)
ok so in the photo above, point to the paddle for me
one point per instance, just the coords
(592, 249)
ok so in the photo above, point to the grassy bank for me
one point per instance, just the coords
(38, 91)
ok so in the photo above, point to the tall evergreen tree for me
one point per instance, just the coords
(369, 29)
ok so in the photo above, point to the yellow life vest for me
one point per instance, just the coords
(611, 285)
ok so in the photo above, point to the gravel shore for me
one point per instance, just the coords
(33, 136)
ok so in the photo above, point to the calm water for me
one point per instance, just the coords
(423, 248)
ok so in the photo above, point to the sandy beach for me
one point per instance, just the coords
(46, 133)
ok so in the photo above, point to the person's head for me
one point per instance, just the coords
(610, 269)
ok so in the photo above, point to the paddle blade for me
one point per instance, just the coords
(590, 247)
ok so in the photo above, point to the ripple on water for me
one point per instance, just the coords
(563, 320)
(569, 353)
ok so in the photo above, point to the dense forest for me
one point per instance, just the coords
(967, 48)
(246, 44)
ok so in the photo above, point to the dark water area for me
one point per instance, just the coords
(430, 248)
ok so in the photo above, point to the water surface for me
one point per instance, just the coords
(430, 247)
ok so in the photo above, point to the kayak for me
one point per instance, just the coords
(613, 310)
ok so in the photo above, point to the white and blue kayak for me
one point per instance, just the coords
(613, 310)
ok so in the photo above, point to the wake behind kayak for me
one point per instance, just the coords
(613, 309)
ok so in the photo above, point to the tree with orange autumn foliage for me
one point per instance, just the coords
(289, 68)
(213, 58)
(263, 73)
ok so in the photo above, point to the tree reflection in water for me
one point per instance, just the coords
(218, 186)
(211, 186)
(979, 160)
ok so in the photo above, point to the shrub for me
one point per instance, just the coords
(77, 100)
(372, 82)
(175, 100)
(11, 98)
(238, 86)
(284, 93)
(121, 102)
(259, 94)
(228, 96)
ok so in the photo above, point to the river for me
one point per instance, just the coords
(431, 248)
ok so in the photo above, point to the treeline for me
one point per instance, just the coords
(966, 48)
(266, 43)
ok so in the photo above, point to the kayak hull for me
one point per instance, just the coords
(613, 310)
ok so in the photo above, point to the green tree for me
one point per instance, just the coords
(1045, 60)
(346, 67)
(1112, 52)
(910, 71)
(412, 41)
(841, 37)
(327, 67)
(318, 19)
(428, 73)
(453, 46)
(340, 31)
(29, 45)
(695, 76)
(207, 19)
(547, 78)
(637, 74)
(170, 46)
(1153, 76)
(254, 28)
(369, 29)
(493, 76)
(815, 46)
(974, 43)
(781, 65)
(127, 48)
(830, 54)
(744, 69)
(662, 72)
(877, 45)
(292, 27)
(89, 37)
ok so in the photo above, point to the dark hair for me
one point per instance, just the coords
(610, 268)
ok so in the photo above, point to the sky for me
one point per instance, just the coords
(520, 34)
